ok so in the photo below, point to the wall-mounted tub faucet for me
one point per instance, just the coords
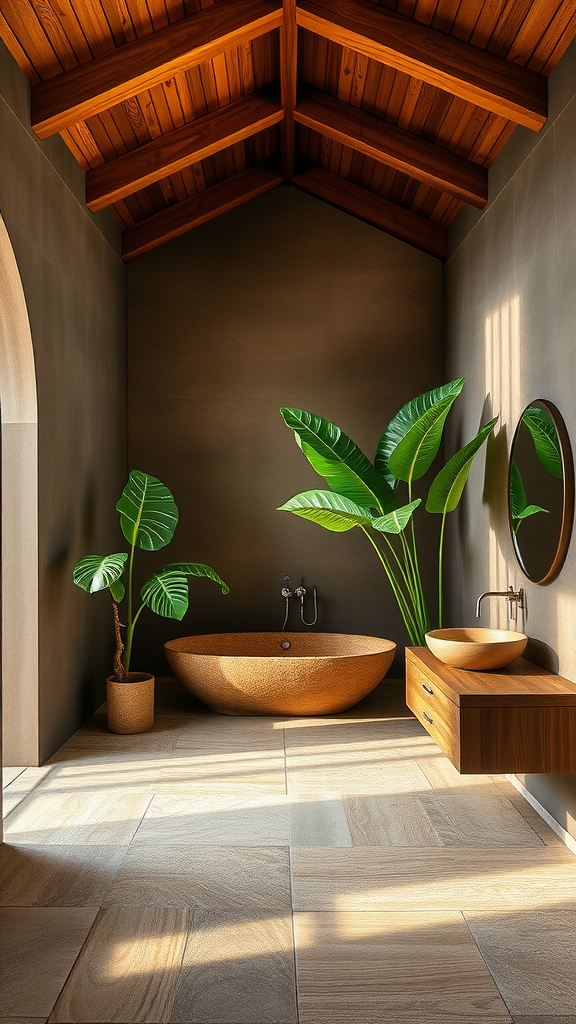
(301, 593)
(286, 594)
(515, 600)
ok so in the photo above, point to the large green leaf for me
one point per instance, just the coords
(396, 521)
(330, 510)
(339, 460)
(96, 572)
(404, 422)
(531, 510)
(517, 491)
(198, 569)
(148, 512)
(545, 437)
(166, 593)
(446, 488)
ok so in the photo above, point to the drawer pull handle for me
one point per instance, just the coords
(427, 717)
(428, 690)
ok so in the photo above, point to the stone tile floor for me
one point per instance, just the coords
(331, 870)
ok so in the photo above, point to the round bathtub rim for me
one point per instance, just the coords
(284, 654)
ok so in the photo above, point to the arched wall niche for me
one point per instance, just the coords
(19, 451)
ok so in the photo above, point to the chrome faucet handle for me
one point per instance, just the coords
(286, 592)
(300, 591)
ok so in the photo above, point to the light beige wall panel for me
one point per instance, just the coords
(74, 288)
(510, 315)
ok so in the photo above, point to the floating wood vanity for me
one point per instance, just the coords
(518, 719)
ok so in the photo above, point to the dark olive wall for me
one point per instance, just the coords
(75, 287)
(285, 301)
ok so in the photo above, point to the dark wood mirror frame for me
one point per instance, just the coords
(568, 495)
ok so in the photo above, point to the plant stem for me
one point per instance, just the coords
(409, 621)
(119, 670)
(417, 596)
(440, 574)
(129, 636)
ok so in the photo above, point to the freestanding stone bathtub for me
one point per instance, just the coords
(280, 673)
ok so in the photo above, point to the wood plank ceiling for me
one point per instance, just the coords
(392, 110)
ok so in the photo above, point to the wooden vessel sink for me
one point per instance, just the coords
(476, 649)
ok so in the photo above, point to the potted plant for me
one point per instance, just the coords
(148, 519)
(371, 496)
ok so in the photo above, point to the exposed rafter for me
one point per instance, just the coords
(394, 147)
(185, 146)
(473, 74)
(381, 213)
(151, 60)
(188, 214)
(288, 80)
(189, 87)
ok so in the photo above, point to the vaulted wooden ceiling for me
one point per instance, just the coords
(392, 110)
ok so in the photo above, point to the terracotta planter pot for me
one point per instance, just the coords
(130, 705)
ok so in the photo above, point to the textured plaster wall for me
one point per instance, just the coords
(285, 301)
(74, 283)
(510, 319)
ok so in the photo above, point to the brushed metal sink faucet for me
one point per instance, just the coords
(514, 597)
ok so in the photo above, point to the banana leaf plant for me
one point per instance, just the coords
(519, 507)
(148, 519)
(378, 497)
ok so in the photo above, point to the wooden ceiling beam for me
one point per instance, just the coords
(149, 61)
(381, 213)
(288, 84)
(488, 81)
(204, 206)
(181, 148)
(394, 147)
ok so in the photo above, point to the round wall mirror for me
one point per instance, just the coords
(541, 491)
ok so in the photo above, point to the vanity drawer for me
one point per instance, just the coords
(519, 720)
(439, 716)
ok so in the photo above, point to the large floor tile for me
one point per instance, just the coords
(319, 819)
(540, 1019)
(21, 787)
(377, 878)
(487, 819)
(225, 733)
(94, 735)
(182, 773)
(202, 877)
(216, 819)
(38, 946)
(368, 968)
(22, 1020)
(57, 876)
(237, 970)
(396, 819)
(100, 818)
(532, 958)
(354, 776)
(442, 775)
(128, 969)
(545, 833)
(9, 774)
